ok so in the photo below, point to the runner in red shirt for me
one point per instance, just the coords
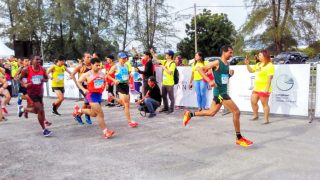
(110, 89)
(32, 77)
(96, 83)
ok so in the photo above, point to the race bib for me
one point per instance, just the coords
(98, 83)
(60, 77)
(36, 79)
(125, 77)
(224, 78)
(9, 83)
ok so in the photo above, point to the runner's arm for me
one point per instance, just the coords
(247, 62)
(112, 70)
(206, 68)
(4, 83)
(45, 77)
(50, 70)
(2, 71)
(73, 73)
(80, 81)
(24, 74)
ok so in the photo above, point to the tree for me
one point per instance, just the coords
(213, 30)
(151, 21)
(281, 20)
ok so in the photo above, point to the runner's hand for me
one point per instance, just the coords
(190, 86)
(212, 84)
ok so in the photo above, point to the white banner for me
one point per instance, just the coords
(290, 89)
(317, 108)
(183, 95)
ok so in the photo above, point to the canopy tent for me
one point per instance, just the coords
(5, 51)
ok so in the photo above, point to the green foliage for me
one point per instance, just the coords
(213, 31)
(310, 52)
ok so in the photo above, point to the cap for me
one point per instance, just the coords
(170, 53)
(122, 55)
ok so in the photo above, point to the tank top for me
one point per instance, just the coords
(58, 76)
(35, 79)
(83, 70)
(221, 77)
(97, 83)
(108, 67)
(123, 75)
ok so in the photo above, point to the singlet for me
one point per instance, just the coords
(35, 79)
(108, 67)
(83, 70)
(97, 83)
(123, 75)
(221, 77)
(58, 76)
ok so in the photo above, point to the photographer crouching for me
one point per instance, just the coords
(152, 99)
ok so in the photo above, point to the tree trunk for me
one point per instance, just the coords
(126, 26)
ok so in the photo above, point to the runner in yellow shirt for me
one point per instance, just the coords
(57, 85)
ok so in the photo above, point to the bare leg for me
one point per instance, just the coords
(211, 111)
(266, 108)
(254, 105)
(233, 108)
(60, 98)
(125, 99)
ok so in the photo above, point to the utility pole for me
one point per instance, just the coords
(195, 29)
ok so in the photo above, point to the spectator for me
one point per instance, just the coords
(152, 99)
(178, 61)
(168, 65)
(264, 71)
(148, 69)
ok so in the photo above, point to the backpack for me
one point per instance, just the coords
(175, 74)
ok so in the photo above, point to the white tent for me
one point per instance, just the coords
(5, 51)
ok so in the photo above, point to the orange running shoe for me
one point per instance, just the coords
(186, 117)
(133, 124)
(244, 142)
(108, 134)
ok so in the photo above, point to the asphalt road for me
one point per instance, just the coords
(160, 148)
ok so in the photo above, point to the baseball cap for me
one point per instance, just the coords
(122, 55)
(152, 78)
(170, 53)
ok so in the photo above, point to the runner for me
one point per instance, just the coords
(96, 84)
(3, 87)
(121, 80)
(84, 67)
(22, 95)
(221, 74)
(110, 63)
(57, 83)
(32, 78)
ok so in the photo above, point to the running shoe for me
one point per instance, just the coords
(88, 119)
(26, 115)
(133, 124)
(54, 110)
(77, 118)
(5, 110)
(186, 117)
(4, 118)
(244, 142)
(46, 133)
(47, 123)
(19, 101)
(108, 134)
(76, 110)
(20, 111)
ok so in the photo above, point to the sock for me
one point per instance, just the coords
(192, 114)
(238, 135)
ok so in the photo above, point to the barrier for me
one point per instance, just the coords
(290, 89)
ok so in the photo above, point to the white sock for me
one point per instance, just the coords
(105, 130)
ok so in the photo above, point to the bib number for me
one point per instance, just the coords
(98, 83)
(36, 79)
(125, 77)
(224, 78)
(60, 77)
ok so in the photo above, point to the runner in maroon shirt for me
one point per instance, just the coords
(32, 77)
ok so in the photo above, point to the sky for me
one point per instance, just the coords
(237, 15)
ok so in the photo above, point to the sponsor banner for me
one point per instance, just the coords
(183, 95)
(290, 89)
(317, 108)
